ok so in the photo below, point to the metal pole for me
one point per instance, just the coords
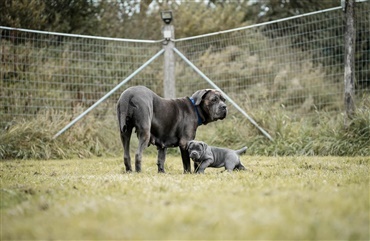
(169, 61)
(223, 93)
(108, 94)
(349, 61)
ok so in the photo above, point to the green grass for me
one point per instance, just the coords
(277, 198)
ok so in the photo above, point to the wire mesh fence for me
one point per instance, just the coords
(295, 64)
(66, 73)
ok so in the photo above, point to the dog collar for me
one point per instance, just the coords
(200, 122)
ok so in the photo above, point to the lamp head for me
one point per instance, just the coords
(166, 16)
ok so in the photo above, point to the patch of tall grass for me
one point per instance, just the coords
(320, 133)
(34, 139)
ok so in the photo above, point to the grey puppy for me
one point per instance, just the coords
(210, 156)
(165, 122)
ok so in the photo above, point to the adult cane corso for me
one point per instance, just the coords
(211, 156)
(165, 122)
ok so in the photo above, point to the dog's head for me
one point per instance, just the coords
(196, 150)
(212, 104)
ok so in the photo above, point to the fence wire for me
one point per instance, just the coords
(295, 64)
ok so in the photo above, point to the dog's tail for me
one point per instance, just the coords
(122, 110)
(241, 151)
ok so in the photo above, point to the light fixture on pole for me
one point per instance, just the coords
(166, 16)
(168, 28)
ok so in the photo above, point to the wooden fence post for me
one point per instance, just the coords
(349, 61)
(169, 61)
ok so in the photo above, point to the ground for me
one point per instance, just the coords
(276, 198)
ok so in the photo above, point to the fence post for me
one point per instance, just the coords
(349, 61)
(169, 61)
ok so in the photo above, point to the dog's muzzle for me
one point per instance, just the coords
(194, 155)
(222, 112)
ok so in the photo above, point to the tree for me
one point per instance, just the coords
(23, 14)
(52, 15)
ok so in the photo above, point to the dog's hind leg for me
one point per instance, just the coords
(144, 138)
(125, 138)
(240, 167)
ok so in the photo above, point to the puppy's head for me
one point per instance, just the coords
(196, 149)
(212, 104)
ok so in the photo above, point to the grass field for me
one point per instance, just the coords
(277, 198)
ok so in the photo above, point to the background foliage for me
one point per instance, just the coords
(126, 18)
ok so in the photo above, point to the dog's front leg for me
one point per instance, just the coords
(185, 160)
(204, 165)
(161, 159)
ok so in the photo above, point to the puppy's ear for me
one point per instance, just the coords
(198, 96)
(204, 146)
(188, 145)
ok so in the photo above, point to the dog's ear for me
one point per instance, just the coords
(204, 146)
(222, 98)
(198, 95)
(187, 145)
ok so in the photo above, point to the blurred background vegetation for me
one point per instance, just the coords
(128, 18)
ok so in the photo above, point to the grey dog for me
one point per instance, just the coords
(210, 156)
(165, 122)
